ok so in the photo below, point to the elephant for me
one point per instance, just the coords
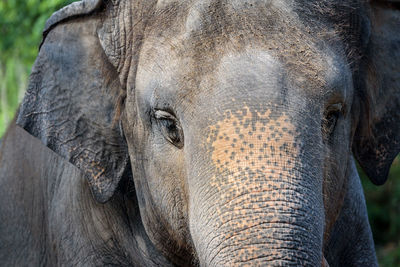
(202, 133)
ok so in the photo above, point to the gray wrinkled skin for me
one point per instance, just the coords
(211, 133)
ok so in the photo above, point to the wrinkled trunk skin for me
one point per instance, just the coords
(263, 224)
(263, 204)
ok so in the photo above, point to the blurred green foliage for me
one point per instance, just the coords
(384, 215)
(21, 27)
(21, 24)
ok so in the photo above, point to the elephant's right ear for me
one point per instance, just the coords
(70, 104)
(377, 138)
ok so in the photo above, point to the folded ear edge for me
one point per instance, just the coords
(76, 9)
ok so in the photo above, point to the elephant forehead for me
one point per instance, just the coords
(192, 37)
(192, 48)
(254, 71)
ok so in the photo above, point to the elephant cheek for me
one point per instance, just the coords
(266, 207)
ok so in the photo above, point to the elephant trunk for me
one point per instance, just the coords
(265, 223)
(263, 202)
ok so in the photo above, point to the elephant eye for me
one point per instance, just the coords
(169, 127)
(332, 114)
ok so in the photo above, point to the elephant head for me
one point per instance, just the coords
(236, 120)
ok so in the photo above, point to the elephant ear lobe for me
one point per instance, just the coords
(70, 102)
(377, 138)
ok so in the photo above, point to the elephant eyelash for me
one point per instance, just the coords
(169, 127)
(161, 114)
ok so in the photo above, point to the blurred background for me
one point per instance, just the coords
(21, 24)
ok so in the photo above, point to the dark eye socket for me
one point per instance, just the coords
(332, 114)
(331, 120)
(169, 127)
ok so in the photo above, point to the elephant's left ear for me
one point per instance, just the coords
(70, 103)
(377, 138)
